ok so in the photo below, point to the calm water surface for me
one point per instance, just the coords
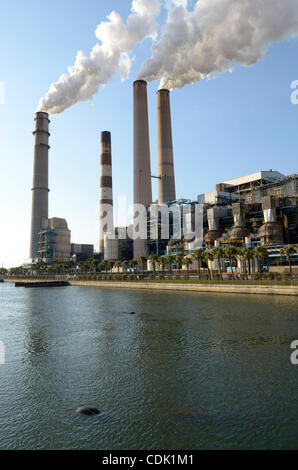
(188, 371)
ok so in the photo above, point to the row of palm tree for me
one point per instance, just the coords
(201, 256)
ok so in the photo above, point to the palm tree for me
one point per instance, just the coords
(218, 253)
(208, 256)
(95, 264)
(111, 264)
(187, 262)
(240, 257)
(261, 253)
(133, 263)
(154, 259)
(143, 261)
(102, 266)
(162, 260)
(105, 265)
(179, 263)
(198, 256)
(247, 256)
(230, 252)
(289, 251)
(125, 264)
(118, 265)
(170, 260)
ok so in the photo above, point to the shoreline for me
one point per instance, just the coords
(213, 288)
(181, 287)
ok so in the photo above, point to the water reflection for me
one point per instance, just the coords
(187, 371)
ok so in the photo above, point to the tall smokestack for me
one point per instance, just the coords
(106, 189)
(40, 190)
(142, 166)
(166, 182)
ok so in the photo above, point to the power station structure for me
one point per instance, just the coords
(40, 189)
(141, 152)
(255, 209)
(50, 238)
(166, 172)
(142, 164)
(106, 216)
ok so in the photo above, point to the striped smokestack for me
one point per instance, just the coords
(106, 189)
(40, 190)
(142, 166)
(166, 184)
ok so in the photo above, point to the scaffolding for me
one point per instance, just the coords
(46, 246)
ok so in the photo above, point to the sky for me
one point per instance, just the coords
(228, 126)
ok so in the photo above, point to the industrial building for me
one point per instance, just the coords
(259, 208)
(54, 242)
(81, 252)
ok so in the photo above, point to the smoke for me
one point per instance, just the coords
(170, 4)
(112, 55)
(214, 35)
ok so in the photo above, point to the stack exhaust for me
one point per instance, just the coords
(239, 231)
(166, 173)
(40, 190)
(106, 222)
(142, 166)
(271, 231)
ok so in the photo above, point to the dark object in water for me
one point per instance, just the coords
(88, 411)
(132, 313)
(35, 284)
(186, 412)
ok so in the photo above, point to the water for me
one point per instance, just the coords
(188, 371)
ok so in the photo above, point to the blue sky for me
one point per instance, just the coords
(226, 127)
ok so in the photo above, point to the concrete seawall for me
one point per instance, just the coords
(227, 289)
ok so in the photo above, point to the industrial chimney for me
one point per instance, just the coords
(106, 189)
(166, 174)
(142, 167)
(40, 190)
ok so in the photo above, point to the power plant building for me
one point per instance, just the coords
(54, 242)
(259, 208)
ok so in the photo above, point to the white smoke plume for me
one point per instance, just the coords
(216, 34)
(171, 4)
(91, 71)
